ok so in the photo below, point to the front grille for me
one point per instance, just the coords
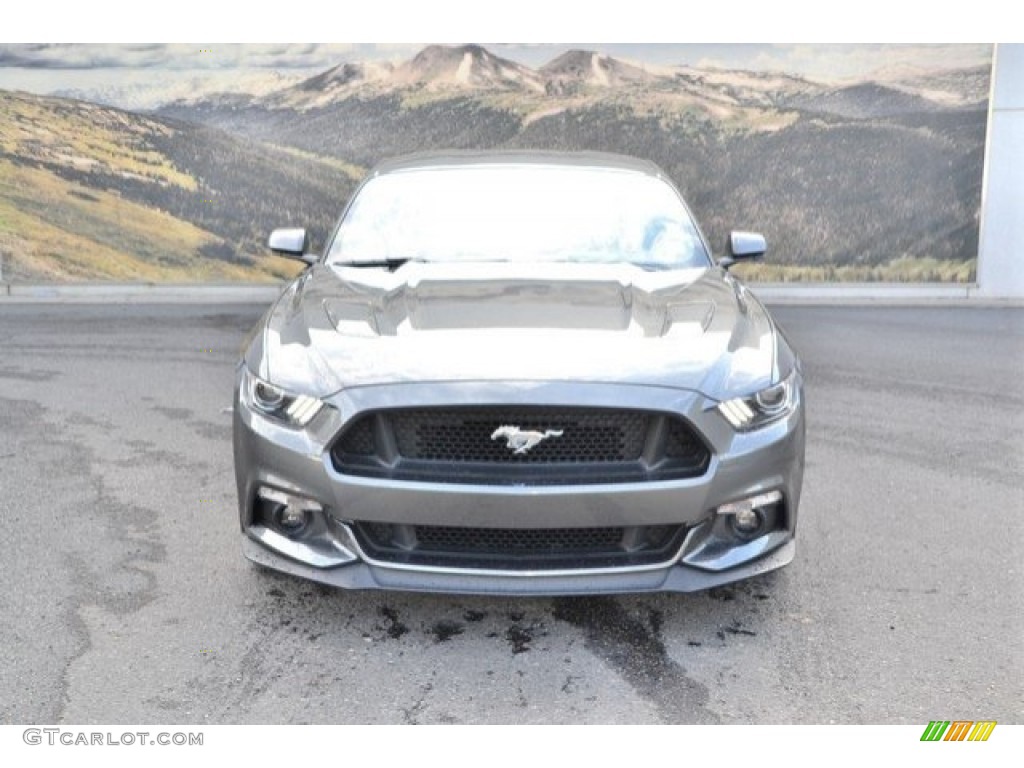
(519, 549)
(520, 446)
(467, 435)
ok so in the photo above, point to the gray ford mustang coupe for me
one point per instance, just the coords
(518, 373)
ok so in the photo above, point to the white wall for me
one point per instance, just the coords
(1001, 246)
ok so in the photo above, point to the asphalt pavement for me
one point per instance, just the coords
(126, 600)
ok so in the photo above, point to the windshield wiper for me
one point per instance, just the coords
(390, 264)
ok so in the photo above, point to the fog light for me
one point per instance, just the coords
(291, 519)
(288, 513)
(747, 520)
(749, 516)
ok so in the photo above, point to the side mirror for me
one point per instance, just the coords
(292, 243)
(742, 246)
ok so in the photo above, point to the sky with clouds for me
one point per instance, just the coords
(141, 72)
(822, 60)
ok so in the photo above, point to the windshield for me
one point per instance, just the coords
(519, 213)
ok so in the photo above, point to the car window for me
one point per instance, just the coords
(532, 213)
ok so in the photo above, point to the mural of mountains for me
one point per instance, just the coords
(877, 179)
(578, 69)
(95, 193)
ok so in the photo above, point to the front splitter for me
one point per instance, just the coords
(675, 578)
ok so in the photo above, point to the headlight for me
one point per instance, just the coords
(272, 401)
(761, 408)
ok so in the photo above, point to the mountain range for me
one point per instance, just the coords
(855, 175)
(472, 69)
(845, 180)
(94, 192)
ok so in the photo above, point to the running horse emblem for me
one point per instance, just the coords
(519, 441)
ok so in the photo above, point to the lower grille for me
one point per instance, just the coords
(519, 549)
(520, 445)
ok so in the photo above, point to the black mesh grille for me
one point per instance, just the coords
(512, 549)
(520, 445)
(564, 435)
(681, 443)
(445, 538)
(359, 439)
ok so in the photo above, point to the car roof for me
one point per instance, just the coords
(457, 158)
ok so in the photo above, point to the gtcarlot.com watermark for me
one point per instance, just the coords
(69, 738)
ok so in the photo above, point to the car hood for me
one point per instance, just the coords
(335, 327)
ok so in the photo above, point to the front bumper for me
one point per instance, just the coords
(268, 455)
